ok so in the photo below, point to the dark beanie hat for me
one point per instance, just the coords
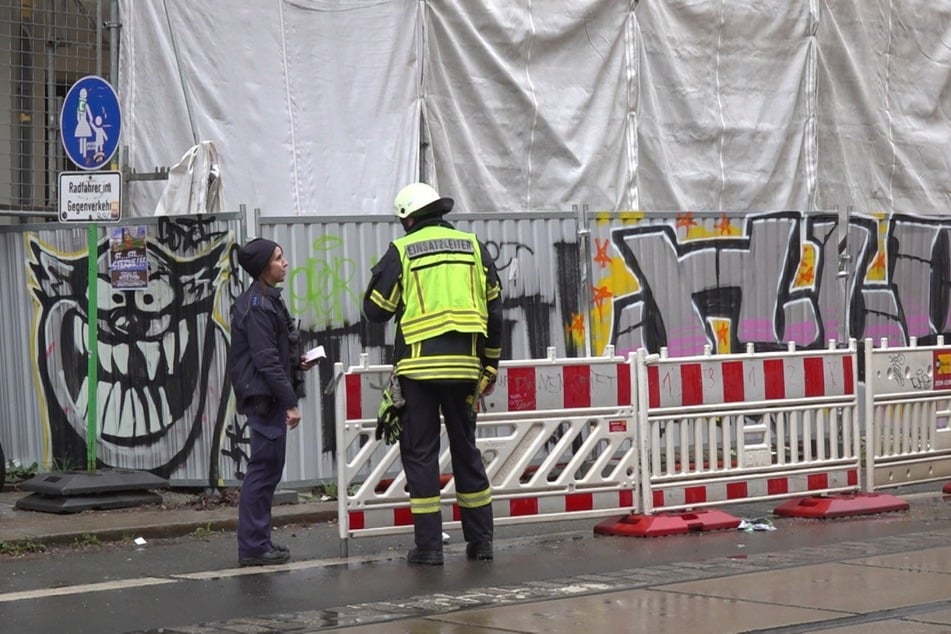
(254, 256)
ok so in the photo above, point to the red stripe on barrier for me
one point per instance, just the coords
(357, 520)
(733, 391)
(579, 502)
(521, 383)
(658, 498)
(691, 384)
(456, 513)
(653, 386)
(817, 481)
(354, 406)
(815, 376)
(626, 498)
(737, 491)
(623, 384)
(852, 477)
(523, 506)
(847, 375)
(402, 517)
(577, 385)
(777, 486)
(695, 495)
(774, 378)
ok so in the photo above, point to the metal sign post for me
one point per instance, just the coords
(90, 124)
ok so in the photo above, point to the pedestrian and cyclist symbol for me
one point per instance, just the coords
(90, 123)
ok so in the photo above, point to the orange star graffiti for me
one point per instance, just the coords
(806, 271)
(602, 257)
(723, 336)
(600, 293)
(686, 221)
(723, 225)
(577, 325)
(878, 267)
(806, 275)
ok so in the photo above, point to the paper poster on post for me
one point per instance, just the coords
(128, 261)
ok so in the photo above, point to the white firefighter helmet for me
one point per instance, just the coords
(418, 197)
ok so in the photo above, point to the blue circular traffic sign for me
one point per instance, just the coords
(90, 123)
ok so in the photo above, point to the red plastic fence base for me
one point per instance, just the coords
(841, 505)
(667, 523)
(947, 488)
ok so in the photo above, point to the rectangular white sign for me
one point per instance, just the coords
(90, 196)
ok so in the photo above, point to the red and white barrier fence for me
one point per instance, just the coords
(731, 428)
(657, 437)
(908, 408)
(556, 436)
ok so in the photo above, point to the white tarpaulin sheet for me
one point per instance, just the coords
(884, 114)
(312, 105)
(528, 103)
(727, 91)
(329, 106)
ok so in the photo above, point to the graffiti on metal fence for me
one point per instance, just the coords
(768, 279)
(161, 354)
(723, 281)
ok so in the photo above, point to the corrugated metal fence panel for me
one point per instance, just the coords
(538, 260)
(330, 260)
(22, 429)
(679, 280)
(163, 399)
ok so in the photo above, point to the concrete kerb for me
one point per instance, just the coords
(150, 522)
(173, 529)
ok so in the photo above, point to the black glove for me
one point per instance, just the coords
(388, 419)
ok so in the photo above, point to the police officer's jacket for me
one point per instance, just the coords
(443, 288)
(259, 359)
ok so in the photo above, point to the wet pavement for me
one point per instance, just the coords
(883, 573)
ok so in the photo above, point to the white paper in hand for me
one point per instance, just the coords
(314, 353)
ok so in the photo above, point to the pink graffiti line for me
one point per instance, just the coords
(802, 333)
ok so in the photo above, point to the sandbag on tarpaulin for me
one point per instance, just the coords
(194, 183)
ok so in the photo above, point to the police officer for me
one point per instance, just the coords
(444, 291)
(263, 363)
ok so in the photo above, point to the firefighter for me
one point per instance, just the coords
(443, 290)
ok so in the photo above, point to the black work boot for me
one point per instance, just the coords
(268, 558)
(424, 557)
(479, 550)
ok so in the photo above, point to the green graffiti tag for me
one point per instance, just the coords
(320, 287)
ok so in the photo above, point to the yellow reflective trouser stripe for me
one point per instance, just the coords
(419, 506)
(474, 500)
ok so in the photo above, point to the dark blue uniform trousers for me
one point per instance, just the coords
(268, 445)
